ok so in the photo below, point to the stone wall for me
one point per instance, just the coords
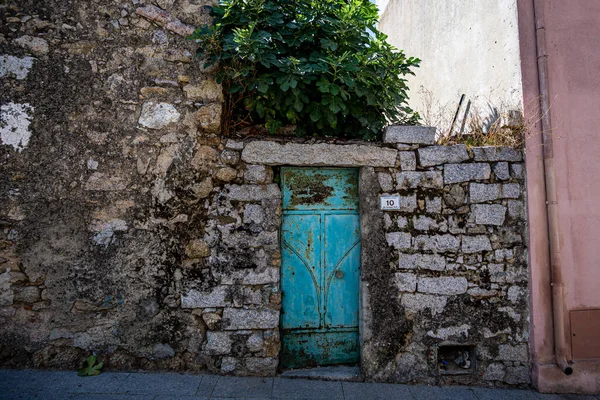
(455, 271)
(130, 228)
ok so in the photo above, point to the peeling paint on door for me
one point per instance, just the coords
(320, 266)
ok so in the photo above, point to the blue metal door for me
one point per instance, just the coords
(320, 247)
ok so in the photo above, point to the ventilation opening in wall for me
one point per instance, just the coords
(456, 359)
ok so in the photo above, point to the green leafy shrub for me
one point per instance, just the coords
(320, 65)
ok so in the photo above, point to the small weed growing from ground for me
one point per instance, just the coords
(92, 368)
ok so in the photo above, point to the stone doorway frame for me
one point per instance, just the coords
(364, 156)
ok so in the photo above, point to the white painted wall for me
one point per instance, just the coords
(382, 4)
(467, 46)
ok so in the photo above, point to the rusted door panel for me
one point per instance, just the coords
(320, 189)
(320, 266)
(342, 270)
(310, 349)
(301, 248)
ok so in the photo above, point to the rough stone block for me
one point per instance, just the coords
(516, 274)
(515, 293)
(417, 302)
(205, 158)
(432, 262)
(197, 249)
(413, 180)
(165, 19)
(455, 173)
(264, 277)
(518, 353)
(437, 155)
(517, 171)
(18, 67)
(408, 160)
(255, 342)
(503, 255)
(26, 294)
(229, 157)
(238, 318)
(482, 192)
(385, 181)
(495, 153)
(518, 376)
(461, 331)
(322, 154)
(409, 134)
(516, 209)
(387, 221)
(398, 240)
(433, 205)
(455, 197)
(15, 127)
(158, 115)
(208, 118)
(208, 91)
(405, 282)
(494, 372)
(402, 222)
(234, 144)
(262, 366)
(254, 213)
(511, 191)
(424, 223)
(479, 293)
(226, 174)
(211, 319)
(243, 240)
(163, 350)
(37, 46)
(446, 285)
(497, 273)
(511, 313)
(228, 364)
(258, 174)
(476, 244)
(437, 243)
(218, 343)
(501, 170)
(489, 214)
(408, 203)
(253, 192)
(196, 299)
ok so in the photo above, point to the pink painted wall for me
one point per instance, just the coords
(573, 46)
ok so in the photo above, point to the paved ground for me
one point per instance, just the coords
(161, 386)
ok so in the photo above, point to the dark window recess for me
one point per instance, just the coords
(456, 359)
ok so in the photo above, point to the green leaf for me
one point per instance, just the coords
(262, 87)
(235, 88)
(298, 105)
(315, 115)
(91, 360)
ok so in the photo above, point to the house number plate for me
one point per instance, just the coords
(390, 202)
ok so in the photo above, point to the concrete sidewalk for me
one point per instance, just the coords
(49, 385)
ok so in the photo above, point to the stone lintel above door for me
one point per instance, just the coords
(318, 154)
